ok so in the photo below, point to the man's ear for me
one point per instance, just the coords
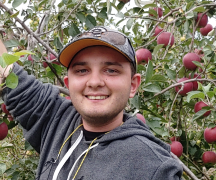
(135, 82)
(66, 81)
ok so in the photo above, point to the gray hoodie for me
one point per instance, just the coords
(128, 152)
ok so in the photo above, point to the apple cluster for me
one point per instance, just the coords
(3, 126)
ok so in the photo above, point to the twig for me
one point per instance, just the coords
(196, 166)
(185, 168)
(63, 20)
(178, 84)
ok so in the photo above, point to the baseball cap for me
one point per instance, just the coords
(99, 35)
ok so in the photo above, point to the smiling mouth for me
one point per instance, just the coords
(97, 97)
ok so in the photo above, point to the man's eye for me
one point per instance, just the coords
(111, 71)
(81, 71)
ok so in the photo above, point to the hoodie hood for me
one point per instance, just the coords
(132, 127)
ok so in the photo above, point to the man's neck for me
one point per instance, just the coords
(112, 124)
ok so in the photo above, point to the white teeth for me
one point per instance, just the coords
(97, 97)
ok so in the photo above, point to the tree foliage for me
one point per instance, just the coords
(35, 31)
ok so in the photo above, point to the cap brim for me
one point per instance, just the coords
(67, 54)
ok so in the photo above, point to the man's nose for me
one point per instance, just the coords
(95, 80)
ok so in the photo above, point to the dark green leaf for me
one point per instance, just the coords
(57, 43)
(199, 114)
(195, 94)
(16, 3)
(129, 23)
(171, 74)
(149, 72)
(152, 88)
(11, 43)
(120, 5)
(73, 30)
(156, 49)
(90, 21)
(2, 168)
(158, 78)
(199, 9)
(103, 13)
(190, 15)
(80, 16)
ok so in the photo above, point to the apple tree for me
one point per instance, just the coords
(175, 48)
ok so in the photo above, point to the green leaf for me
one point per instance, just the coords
(199, 9)
(149, 6)
(16, 3)
(57, 43)
(153, 12)
(158, 78)
(73, 30)
(23, 52)
(129, 23)
(149, 72)
(135, 101)
(6, 145)
(120, 15)
(210, 94)
(2, 62)
(103, 13)
(2, 168)
(12, 80)
(206, 88)
(120, 5)
(11, 43)
(9, 58)
(190, 15)
(199, 114)
(195, 94)
(197, 63)
(171, 74)
(156, 49)
(80, 16)
(90, 21)
(109, 7)
(15, 15)
(152, 88)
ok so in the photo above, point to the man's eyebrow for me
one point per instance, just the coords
(79, 63)
(113, 63)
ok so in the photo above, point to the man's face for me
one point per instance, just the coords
(99, 82)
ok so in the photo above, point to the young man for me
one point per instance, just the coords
(91, 138)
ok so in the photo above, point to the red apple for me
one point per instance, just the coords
(204, 20)
(198, 106)
(210, 135)
(164, 38)
(45, 64)
(195, 83)
(175, 138)
(30, 58)
(199, 52)
(176, 148)
(204, 31)
(3, 130)
(158, 10)
(209, 157)
(143, 55)
(9, 117)
(157, 31)
(4, 109)
(187, 60)
(187, 87)
(67, 97)
(141, 117)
